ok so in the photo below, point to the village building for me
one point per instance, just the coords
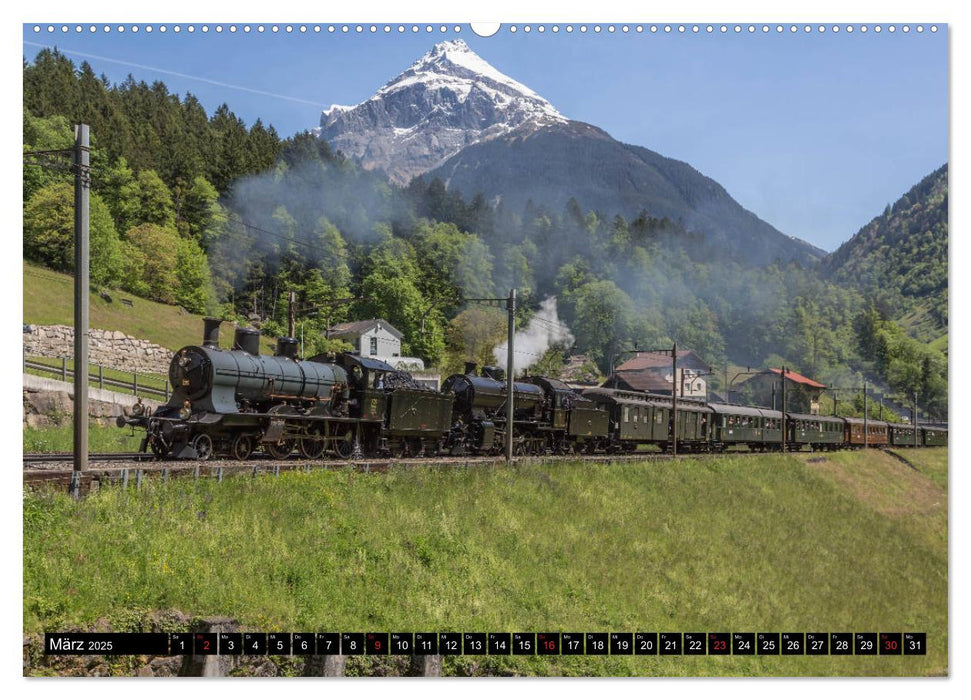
(765, 389)
(652, 372)
(379, 340)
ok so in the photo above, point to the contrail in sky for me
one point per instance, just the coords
(180, 75)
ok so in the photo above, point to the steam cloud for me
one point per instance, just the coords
(530, 343)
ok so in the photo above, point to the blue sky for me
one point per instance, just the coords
(815, 133)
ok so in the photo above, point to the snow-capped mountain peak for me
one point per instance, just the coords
(448, 99)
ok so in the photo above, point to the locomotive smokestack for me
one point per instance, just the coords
(286, 347)
(210, 333)
(247, 340)
(470, 368)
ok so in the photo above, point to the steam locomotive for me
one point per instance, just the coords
(235, 402)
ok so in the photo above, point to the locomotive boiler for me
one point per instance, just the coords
(234, 400)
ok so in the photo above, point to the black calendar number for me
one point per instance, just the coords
(598, 643)
(571, 643)
(817, 643)
(523, 643)
(474, 643)
(548, 643)
(645, 643)
(915, 643)
(841, 644)
(449, 643)
(304, 643)
(180, 643)
(793, 643)
(426, 643)
(621, 643)
(254, 643)
(719, 643)
(500, 643)
(767, 643)
(695, 643)
(669, 643)
(278, 643)
(865, 643)
(328, 643)
(352, 643)
(743, 643)
(402, 643)
(230, 643)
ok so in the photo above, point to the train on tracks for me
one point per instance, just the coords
(237, 402)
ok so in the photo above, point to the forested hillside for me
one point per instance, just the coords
(203, 211)
(899, 259)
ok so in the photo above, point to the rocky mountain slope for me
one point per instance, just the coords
(452, 115)
(449, 99)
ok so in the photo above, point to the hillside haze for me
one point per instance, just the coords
(453, 116)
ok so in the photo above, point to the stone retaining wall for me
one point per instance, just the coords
(112, 349)
(49, 402)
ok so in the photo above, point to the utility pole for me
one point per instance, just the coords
(784, 370)
(291, 313)
(866, 434)
(835, 399)
(510, 373)
(916, 437)
(674, 400)
(82, 187)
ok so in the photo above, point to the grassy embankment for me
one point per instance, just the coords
(843, 542)
(49, 299)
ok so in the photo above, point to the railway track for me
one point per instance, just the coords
(51, 457)
(43, 471)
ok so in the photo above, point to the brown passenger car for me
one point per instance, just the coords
(877, 432)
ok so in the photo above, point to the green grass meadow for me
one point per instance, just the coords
(846, 542)
(101, 438)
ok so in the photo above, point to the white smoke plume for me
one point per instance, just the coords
(530, 343)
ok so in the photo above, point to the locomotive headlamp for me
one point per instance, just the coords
(186, 410)
(138, 409)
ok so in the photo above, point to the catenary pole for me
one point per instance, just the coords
(674, 400)
(783, 420)
(866, 419)
(916, 433)
(82, 186)
(510, 373)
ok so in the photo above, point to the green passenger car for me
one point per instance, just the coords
(902, 435)
(755, 428)
(813, 431)
(934, 436)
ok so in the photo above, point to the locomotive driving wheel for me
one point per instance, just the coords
(280, 450)
(242, 447)
(344, 445)
(202, 444)
(311, 448)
